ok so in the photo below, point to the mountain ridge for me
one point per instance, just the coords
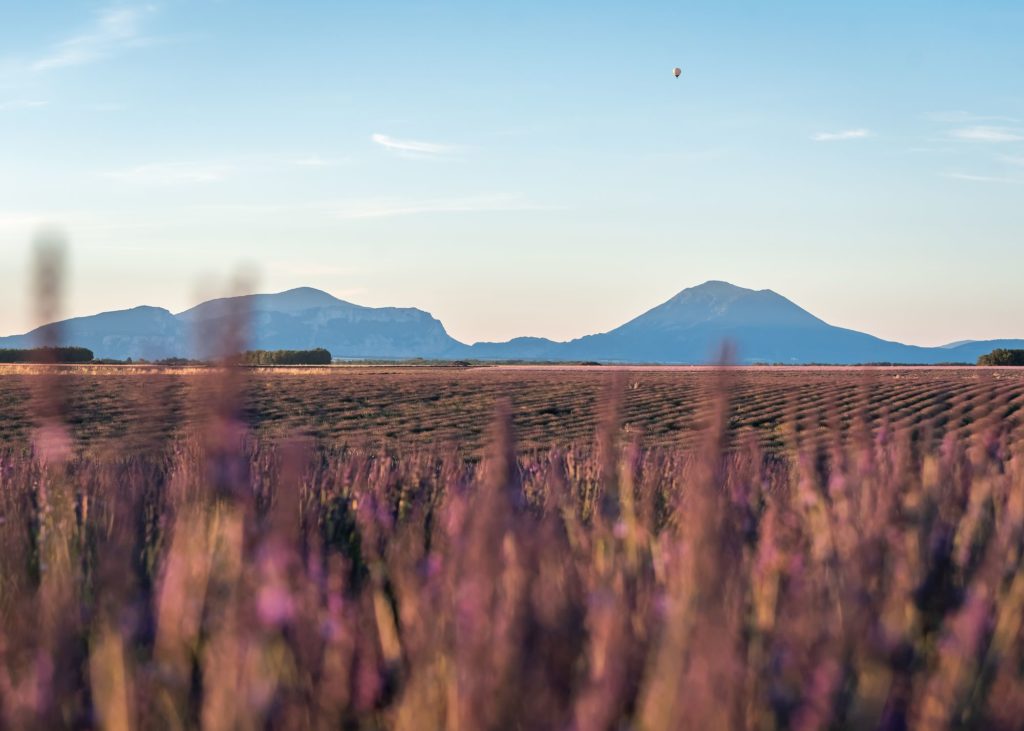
(690, 327)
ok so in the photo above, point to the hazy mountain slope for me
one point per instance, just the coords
(308, 318)
(292, 301)
(762, 326)
(141, 332)
(970, 351)
(525, 348)
(691, 327)
(296, 319)
(348, 332)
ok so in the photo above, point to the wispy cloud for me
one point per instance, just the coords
(21, 104)
(970, 177)
(986, 133)
(369, 208)
(114, 29)
(846, 134)
(172, 173)
(389, 208)
(310, 269)
(105, 107)
(942, 150)
(24, 222)
(1011, 160)
(413, 147)
(962, 117)
(315, 161)
(213, 171)
(19, 220)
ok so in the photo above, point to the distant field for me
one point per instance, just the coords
(435, 406)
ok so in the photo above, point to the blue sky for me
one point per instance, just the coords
(523, 168)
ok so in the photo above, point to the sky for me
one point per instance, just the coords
(523, 168)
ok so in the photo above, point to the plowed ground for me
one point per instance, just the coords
(413, 407)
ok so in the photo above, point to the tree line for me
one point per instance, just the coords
(1002, 357)
(316, 356)
(72, 354)
(66, 354)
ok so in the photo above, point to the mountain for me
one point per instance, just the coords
(525, 348)
(971, 350)
(761, 325)
(294, 320)
(957, 344)
(291, 302)
(141, 332)
(306, 318)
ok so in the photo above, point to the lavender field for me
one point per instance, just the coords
(532, 366)
(211, 575)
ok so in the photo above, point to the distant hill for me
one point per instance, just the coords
(299, 319)
(306, 318)
(958, 343)
(761, 325)
(141, 332)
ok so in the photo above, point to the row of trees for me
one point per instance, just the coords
(68, 354)
(46, 355)
(317, 356)
(1002, 357)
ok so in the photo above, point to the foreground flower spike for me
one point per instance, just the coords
(855, 568)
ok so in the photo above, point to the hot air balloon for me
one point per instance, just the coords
(677, 71)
